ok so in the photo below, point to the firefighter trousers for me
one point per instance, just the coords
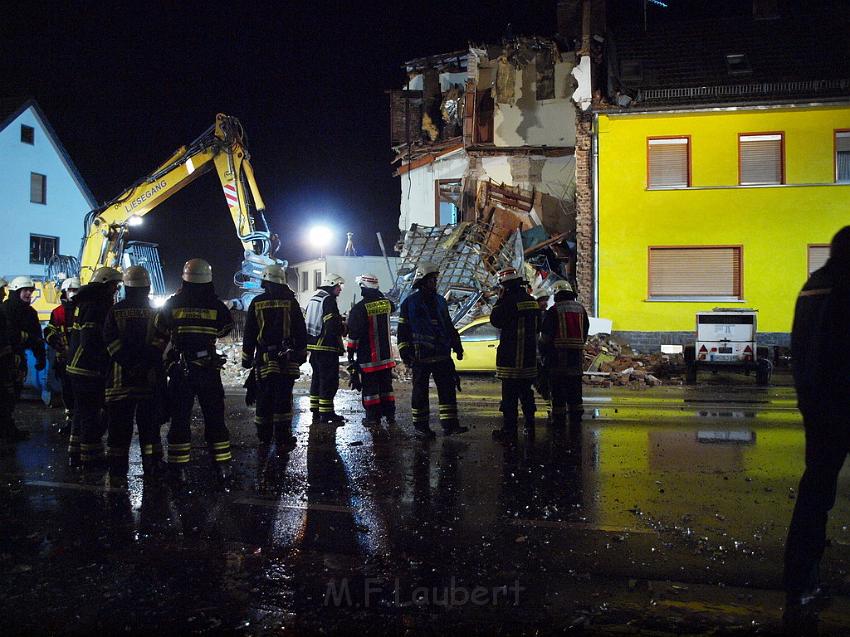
(517, 390)
(120, 416)
(444, 377)
(565, 387)
(378, 396)
(89, 423)
(205, 384)
(7, 404)
(325, 381)
(827, 445)
(67, 394)
(273, 416)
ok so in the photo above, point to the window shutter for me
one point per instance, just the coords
(818, 255)
(761, 159)
(668, 163)
(694, 272)
(37, 188)
(842, 156)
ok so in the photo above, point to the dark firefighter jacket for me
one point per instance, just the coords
(24, 329)
(274, 324)
(324, 323)
(134, 347)
(57, 330)
(87, 355)
(7, 356)
(820, 338)
(517, 315)
(369, 332)
(194, 318)
(425, 330)
(562, 337)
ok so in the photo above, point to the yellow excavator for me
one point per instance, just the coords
(106, 238)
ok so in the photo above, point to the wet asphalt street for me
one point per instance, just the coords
(667, 517)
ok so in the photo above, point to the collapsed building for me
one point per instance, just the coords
(484, 143)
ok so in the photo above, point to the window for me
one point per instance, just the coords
(447, 199)
(842, 156)
(38, 188)
(695, 272)
(305, 281)
(760, 159)
(631, 70)
(42, 248)
(317, 278)
(27, 134)
(481, 332)
(669, 160)
(738, 64)
(818, 253)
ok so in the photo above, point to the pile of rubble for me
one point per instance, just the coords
(607, 362)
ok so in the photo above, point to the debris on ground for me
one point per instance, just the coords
(610, 362)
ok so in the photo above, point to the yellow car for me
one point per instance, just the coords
(480, 340)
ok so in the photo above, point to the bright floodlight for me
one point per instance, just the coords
(134, 220)
(319, 236)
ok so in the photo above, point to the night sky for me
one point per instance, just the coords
(125, 87)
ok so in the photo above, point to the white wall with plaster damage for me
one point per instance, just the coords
(525, 121)
(418, 192)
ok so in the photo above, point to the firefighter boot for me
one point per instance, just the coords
(152, 468)
(285, 440)
(424, 432)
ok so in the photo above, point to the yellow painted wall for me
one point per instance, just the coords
(774, 224)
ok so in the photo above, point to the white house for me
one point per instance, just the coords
(309, 275)
(44, 196)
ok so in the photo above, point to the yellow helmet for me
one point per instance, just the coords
(106, 275)
(275, 274)
(561, 286)
(137, 277)
(197, 271)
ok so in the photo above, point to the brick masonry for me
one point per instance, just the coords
(584, 209)
(651, 342)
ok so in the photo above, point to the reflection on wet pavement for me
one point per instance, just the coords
(669, 514)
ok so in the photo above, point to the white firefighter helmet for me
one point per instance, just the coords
(424, 269)
(508, 274)
(561, 286)
(331, 280)
(275, 273)
(197, 271)
(106, 275)
(71, 283)
(541, 293)
(368, 281)
(137, 277)
(21, 283)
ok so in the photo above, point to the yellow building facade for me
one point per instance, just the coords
(728, 207)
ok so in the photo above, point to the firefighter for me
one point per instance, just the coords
(426, 338)
(275, 346)
(370, 352)
(56, 335)
(8, 376)
(25, 333)
(135, 352)
(517, 316)
(88, 363)
(542, 296)
(325, 329)
(194, 318)
(562, 340)
(820, 349)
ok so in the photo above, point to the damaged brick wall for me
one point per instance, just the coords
(584, 209)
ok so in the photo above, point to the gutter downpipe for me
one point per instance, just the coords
(594, 145)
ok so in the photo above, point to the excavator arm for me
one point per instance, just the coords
(220, 147)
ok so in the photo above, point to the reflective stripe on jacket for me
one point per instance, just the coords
(369, 332)
(274, 324)
(517, 316)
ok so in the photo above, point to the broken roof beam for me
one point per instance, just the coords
(440, 61)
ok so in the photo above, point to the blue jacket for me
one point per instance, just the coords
(425, 330)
